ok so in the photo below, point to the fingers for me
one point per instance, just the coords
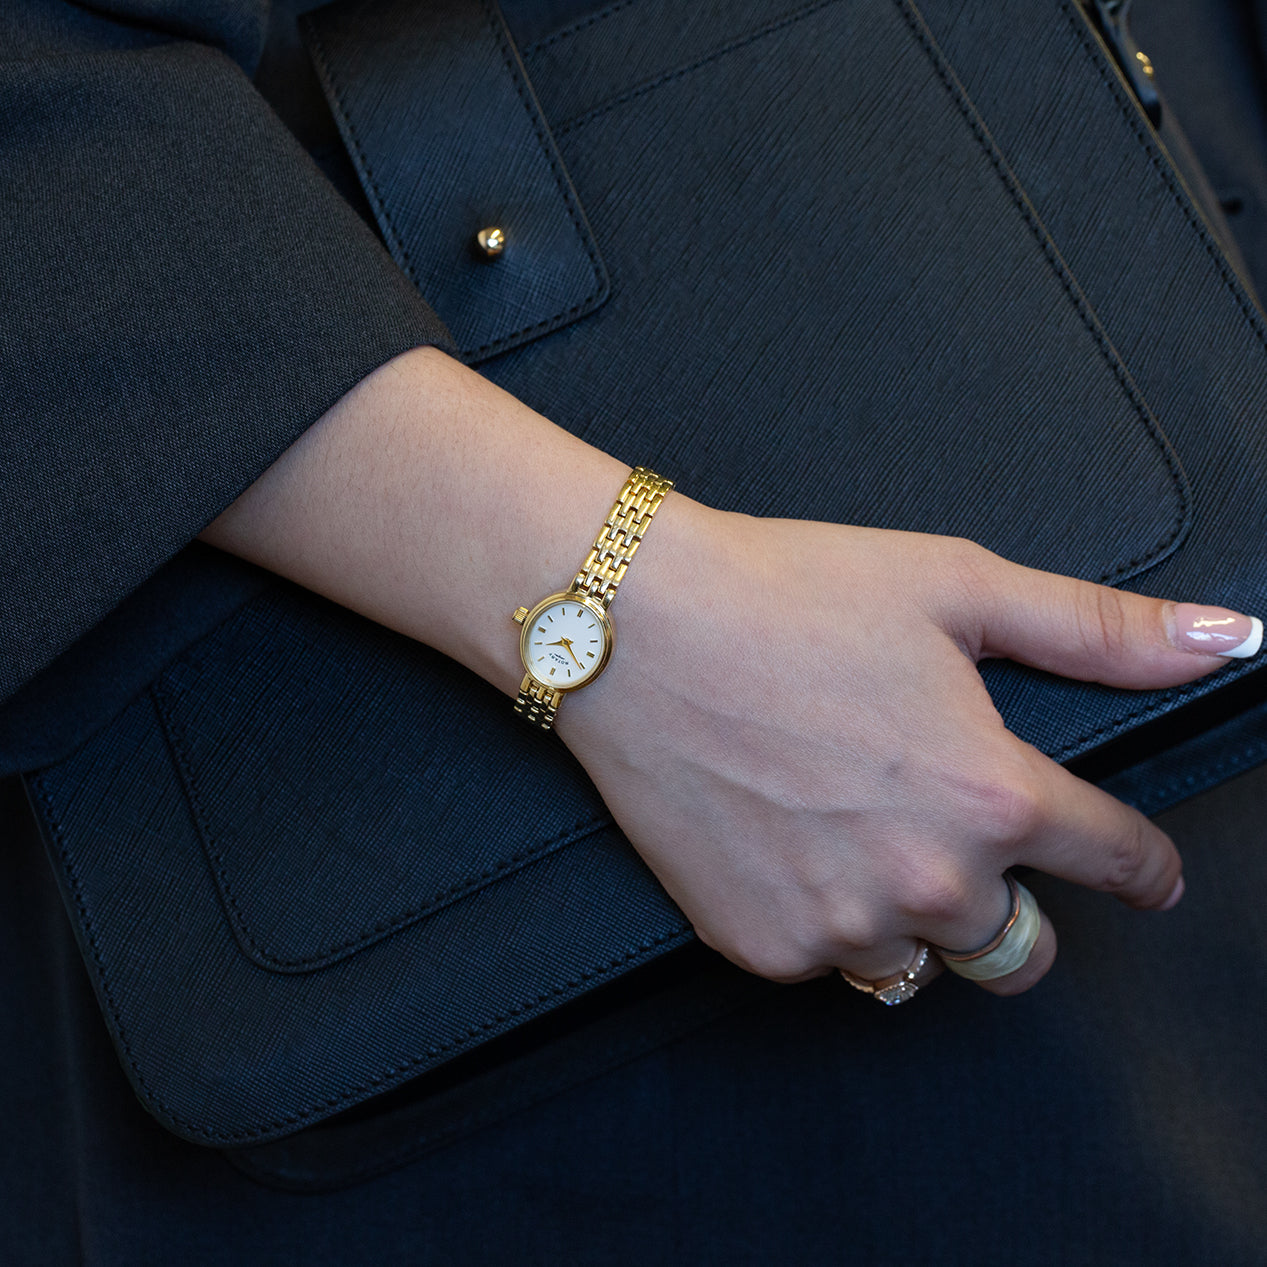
(921, 966)
(1093, 633)
(1017, 956)
(1021, 809)
(1072, 830)
(1082, 834)
(1035, 967)
(1093, 839)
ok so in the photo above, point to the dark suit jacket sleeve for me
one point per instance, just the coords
(183, 294)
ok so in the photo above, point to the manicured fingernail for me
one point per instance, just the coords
(1175, 894)
(1217, 631)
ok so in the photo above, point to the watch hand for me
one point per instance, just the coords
(566, 644)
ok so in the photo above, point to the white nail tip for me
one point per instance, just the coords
(1251, 644)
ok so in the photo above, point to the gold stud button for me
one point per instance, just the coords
(492, 241)
(1145, 64)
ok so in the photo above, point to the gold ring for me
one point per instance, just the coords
(1008, 949)
(901, 986)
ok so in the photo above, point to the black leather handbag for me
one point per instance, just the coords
(920, 265)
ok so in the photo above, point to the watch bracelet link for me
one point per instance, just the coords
(605, 565)
(536, 703)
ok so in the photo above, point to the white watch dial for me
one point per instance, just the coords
(564, 644)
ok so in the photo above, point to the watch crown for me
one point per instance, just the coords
(520, 615)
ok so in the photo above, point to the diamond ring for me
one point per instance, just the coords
(901, 986)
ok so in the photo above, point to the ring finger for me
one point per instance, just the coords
(1016, 955)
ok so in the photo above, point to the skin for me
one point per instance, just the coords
(792, 731)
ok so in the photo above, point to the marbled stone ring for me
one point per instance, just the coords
(1008, 949)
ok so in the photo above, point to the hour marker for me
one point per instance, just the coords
(551, 672)
(569, 673)
(541, 629)
(549, 618)
(590, 654)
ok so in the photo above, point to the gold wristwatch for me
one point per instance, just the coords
(567, 638)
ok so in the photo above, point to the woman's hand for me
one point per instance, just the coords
(792, 730)
(794, 736)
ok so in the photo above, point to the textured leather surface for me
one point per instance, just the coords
(1115, 215)
(441, 122)
(972, 319)
(612, 1027)
(1148, 264)
(397, 829)
(903, 358)
(222, 1050)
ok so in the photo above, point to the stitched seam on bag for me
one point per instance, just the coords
(668, 76)
(1175, 696)
(1162, 702)
(174, 732)
(359, 158)
(1130, 112)
(1211, 771)
(562, 183)
(164, 695)
(391, 232)
(1046, 245)
(613, 1057)
(579, 25)
(393, 1074)
(1083, 308)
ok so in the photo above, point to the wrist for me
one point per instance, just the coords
(665, 599)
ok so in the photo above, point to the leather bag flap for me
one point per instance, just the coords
(446, 135)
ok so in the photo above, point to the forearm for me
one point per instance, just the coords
(434, 503)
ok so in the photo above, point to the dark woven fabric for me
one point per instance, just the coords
(184, 295)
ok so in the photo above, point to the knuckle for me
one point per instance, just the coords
(967, 556)
(781, 963)
(857, 931)
(970, 568)
(780, 969)
(1103, 623)
(1007, 809)
(1124, 859)
(935, 894)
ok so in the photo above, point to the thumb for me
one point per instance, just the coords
(1096, 634)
